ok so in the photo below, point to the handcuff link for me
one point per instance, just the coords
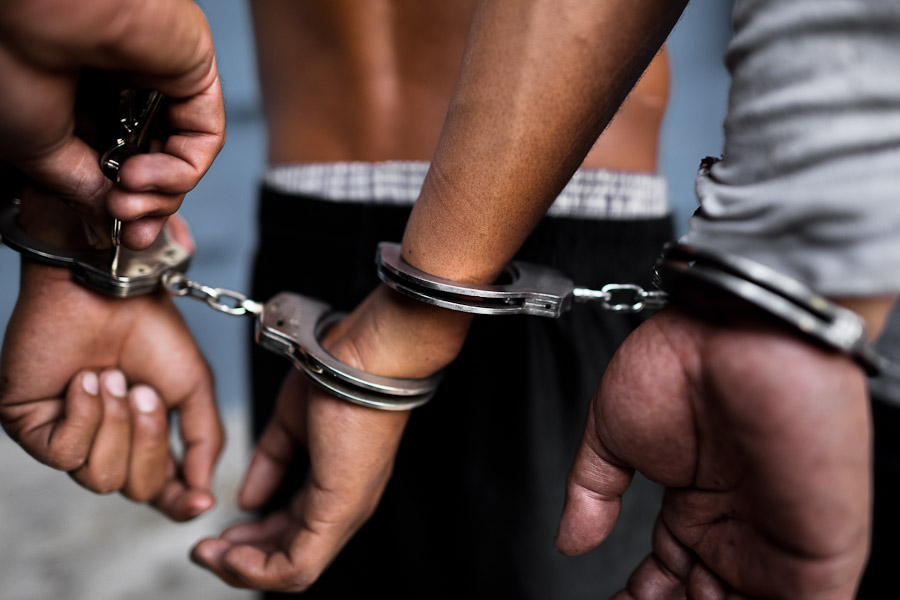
(523, 289)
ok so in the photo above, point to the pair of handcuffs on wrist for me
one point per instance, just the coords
(293, 325)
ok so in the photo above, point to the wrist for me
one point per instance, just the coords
(394, 336)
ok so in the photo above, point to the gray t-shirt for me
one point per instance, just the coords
(809, 181)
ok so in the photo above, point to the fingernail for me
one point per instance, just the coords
(115, 383)
(144, 398)
(200, 506)
(90, 383)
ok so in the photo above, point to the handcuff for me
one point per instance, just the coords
(535, 290)
(288, 324)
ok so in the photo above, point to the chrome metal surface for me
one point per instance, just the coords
(781, 296)
(531, 289)
(293, 325)
(137, 272)
(237, 305)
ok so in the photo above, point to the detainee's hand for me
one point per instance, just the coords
(44, 47)
(351, 449)
(763, 443)
(69, 358)
(351, 453)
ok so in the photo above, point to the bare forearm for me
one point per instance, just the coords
(539, 82)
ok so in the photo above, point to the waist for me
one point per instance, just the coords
(590, 194)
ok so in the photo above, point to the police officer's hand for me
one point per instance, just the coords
(45, 48)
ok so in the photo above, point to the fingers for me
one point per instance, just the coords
(149, 445)
(71, 172)
(140, 234)
(179, 502)
(106, 468)
(181, 233)
(267, 469)
(154, 184)
(241, 544)
(60, 434)
(130, 450)
(664, 573)
(276, 554)
(187, 492)
(594, 491)
(203, 436)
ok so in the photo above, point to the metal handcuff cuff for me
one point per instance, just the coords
(535, 290)
(288, 324)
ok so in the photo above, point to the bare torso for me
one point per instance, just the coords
(345, 80)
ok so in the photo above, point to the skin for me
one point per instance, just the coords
(165, 45)
(335, 90)
(61, 333)
(106, 446)
(801, 438)
(511, 138)
(763, 443)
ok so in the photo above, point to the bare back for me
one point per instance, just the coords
(345, 80)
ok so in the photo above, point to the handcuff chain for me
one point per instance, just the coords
(622, 297)
(178, 284)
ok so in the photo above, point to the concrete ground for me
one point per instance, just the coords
(59, 541)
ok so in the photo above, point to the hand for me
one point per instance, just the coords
(351, 449)
(124, 435)
(61, 332)
(46, 44)
(763, 443)
(351, 453)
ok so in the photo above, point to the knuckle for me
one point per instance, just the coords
(141, 494)
(116, 410)
(153, 433)
(65, 460)
(98, 483)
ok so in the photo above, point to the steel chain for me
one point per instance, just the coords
(614, 297)
(623, 297)
(178, 284)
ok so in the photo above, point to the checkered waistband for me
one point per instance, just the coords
(590, 194)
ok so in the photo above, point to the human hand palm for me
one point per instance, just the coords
(762, 442)
(59, 330)
(351, 453)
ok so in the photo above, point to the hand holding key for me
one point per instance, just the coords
(46, 50)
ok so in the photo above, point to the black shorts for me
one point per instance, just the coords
(479, 482)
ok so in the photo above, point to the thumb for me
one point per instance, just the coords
(268, 467)
(594, 491)
(71, 171)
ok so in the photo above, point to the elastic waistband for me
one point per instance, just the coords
(590, 194)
